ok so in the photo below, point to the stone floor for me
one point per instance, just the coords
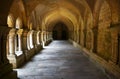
(60, 60)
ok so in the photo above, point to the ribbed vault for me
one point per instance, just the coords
(28, 25)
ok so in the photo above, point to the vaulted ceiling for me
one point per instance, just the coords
(47, 12)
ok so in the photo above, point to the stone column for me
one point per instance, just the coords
(25, 45)
(28, 40)
(5, 67)
(16, 47)
(95, 37)
(12, 55)
(31, 39)
(19, 33)
(79, 36)
(35, 39)
(12, 42)
(38, 37)
(114, 28)
(85, 35)
(114, 48)
(47, 36)
(24, 42)
(43, 38)
(19, 41)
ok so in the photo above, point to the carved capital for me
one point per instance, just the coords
(20, 31)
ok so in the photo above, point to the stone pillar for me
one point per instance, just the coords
(16, 47)
(24, 42)
(12, 55)
(12, 42)
(43, 38)
(85, 35)
(91, 40)
(5, 67)
(31, 39)
(25, 45)
(79, 36)
(114, 34)
(47, 36)
(28, 40)
(95, 37)
(19, 45)
(38, 37)
(19, 42)
(35, 39)
(114, 48)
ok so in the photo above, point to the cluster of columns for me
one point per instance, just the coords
(23, 44)
(5, 67)
(46, 37)
(79, 39)
(115, 55)
(79, 36)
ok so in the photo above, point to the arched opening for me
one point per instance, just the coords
(18, 23)
(10, 20)
(60, 32)
(104, 35)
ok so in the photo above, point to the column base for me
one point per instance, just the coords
(17, 60)
(12, 60)
(47, 42)
(29, 54)
(38, 48)
(20, 58)
(18, 53)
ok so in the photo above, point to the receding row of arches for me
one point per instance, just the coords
(92, 25)
(60, 32)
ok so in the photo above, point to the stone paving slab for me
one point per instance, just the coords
(60, 60)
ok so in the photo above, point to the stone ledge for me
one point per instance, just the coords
(110, 69)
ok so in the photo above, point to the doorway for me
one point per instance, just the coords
(60, 32)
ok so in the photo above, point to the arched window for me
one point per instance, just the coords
(10, 20)
(38, 37)
(18, 23)
(30, 40)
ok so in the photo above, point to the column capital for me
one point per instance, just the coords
(20, 31)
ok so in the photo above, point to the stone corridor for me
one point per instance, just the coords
(60, 60)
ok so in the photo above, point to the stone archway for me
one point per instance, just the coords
(60, 32)
(104, 35)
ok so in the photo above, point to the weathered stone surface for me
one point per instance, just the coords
(60, 60)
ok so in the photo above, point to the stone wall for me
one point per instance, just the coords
(104, 36)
